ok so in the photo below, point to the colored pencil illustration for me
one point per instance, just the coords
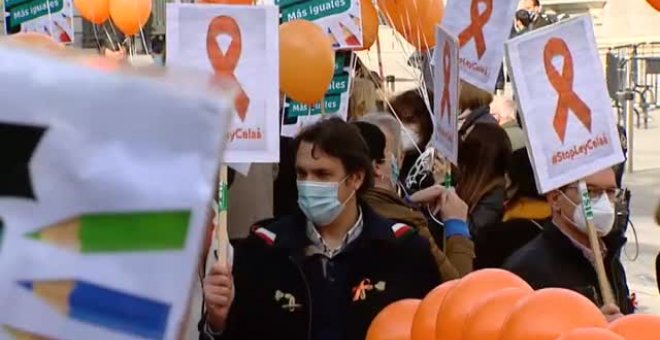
(104, 307)
(119, 232)
(18, 334)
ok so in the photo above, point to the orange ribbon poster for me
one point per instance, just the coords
(476, 29)
(445, 74)
(563, 103)
(482, 28)
(225, 64)
(563, 83)
(445, 107)
(238, 48)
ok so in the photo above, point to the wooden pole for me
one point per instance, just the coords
(604, 283)
(221, 233)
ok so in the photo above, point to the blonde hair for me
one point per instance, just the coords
(363, 98)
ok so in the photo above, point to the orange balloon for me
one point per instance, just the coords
(423, 325)
(486, 319)
(469, 292)
(637, 327)
(549, 313)
(591, 333)
(307, 61)
(37, 40)
(422, 35)
(403, 14)
(96, 11)
(130, 15)
(369, 23)
(394, 321)
(655, 4)
(228, 2)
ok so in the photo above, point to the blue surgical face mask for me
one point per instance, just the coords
(319, 201)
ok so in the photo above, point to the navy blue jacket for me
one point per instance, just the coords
(274, 281)
(551, 260)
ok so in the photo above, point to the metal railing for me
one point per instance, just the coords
(633, 83)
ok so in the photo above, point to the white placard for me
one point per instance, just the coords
(239, 42)
(482, 27)
(94, 158)
(561, 91)
(445, 132)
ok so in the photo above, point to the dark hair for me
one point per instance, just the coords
(523, 16)
(411, 107)
(483, 160)
(375, 139)
(537, 2)
(521, 175)
(340, 140)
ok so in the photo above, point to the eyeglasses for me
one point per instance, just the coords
(614, 194)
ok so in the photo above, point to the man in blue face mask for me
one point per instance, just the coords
(325, 272)
(562, 257)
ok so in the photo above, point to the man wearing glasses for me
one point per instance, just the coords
(561, 256)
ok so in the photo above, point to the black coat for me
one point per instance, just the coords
(552, 260)
(402, 264)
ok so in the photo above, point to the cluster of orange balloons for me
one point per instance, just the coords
(494, 304)
(414, 19)
(128, 15)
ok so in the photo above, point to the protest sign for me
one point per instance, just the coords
(342, 19)
(482, 27)
(297, 115)
(561, 91)
(50, 17)
(445, 134)
(104, 198)
(238, 43)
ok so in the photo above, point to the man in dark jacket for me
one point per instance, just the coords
(326, 272)
(561, 256)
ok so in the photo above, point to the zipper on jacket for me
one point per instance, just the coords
(309, 296)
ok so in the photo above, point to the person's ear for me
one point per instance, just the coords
(357, 179)
(553, 199)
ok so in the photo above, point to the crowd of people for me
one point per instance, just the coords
(359, 237)
(358, 225)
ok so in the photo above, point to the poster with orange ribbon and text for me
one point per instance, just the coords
(482, 27)
(561, 91)
(239, 44)
(445, 131)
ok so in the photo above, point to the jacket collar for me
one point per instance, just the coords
(613, 242)
(291, 233)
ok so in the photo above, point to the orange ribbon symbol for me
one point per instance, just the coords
(445, 108)
(478, 21)
(360, 292)
(225, 64)
(563, 84)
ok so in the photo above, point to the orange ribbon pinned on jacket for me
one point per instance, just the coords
(445, 108)
(225, 64)
(476, 29)
(563, 84)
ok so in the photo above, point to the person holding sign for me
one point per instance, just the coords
(561, 256)
(383, 198)
(326, 272)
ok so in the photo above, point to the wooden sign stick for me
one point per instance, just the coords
(221, 233)
(604, 283)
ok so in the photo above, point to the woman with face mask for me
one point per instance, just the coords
(413, 110)
(562, 257)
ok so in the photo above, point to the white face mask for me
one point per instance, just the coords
(409, 139)
(604, 215)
